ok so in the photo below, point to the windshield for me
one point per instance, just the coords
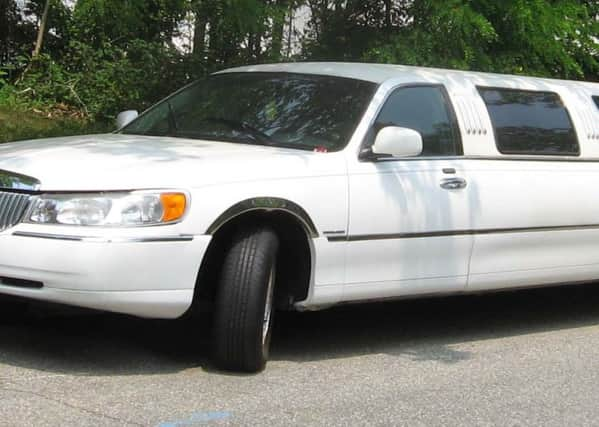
(279, 109)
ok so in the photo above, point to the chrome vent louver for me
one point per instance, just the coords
(12, 208)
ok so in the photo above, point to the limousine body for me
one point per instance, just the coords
(302, 186)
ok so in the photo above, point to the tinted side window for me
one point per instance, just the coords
(427, 110)
(596, 99)
(528, 122)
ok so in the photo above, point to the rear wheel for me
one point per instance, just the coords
(245, 301)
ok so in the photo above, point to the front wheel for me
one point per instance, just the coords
(11, 309)
(244, 301)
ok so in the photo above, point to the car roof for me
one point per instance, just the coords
(379, 73)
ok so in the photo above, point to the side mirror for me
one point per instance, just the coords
(125, 117)
(398, 142)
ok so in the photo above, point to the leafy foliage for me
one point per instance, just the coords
(537, 37)
(102, 22)
(102, 56)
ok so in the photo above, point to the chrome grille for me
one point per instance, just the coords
(12, 208)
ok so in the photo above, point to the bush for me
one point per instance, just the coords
(84, 90)
(101, 82)
(16, 124)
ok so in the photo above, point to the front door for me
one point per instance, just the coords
(409, 218)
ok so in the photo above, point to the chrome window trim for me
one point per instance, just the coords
(503, 158)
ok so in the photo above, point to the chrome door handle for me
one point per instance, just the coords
(453, 183)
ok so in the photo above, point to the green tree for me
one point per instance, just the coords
(16, 36)
(53, 29)
(105, 55)
(555, 38)
(117, 22)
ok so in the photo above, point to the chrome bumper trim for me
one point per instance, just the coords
(92, 239)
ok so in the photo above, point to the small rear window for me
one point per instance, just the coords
(596, 99)
(530, 122)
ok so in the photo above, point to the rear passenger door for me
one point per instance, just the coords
(536, 207)
(408, 216)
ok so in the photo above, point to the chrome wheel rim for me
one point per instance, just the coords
(267, 320)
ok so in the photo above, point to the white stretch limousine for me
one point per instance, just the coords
(301, 186)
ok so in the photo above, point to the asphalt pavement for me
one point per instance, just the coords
(524, 358)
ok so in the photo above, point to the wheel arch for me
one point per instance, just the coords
(265, 204)
(295, 229)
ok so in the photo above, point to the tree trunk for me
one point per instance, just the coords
(258, 44)
(278, 31)
(217, 47)
(250, 46)
(42, 30)
(290, 34)
(388, 8)
(199, 35)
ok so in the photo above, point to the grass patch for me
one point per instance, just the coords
(17, 125)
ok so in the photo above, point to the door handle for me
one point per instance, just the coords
(453, 183)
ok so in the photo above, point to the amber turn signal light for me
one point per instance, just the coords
(173, 205)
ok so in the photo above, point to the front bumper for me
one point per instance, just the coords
(145, 272)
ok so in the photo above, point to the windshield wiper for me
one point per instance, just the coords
(241, 126)
(255, 136)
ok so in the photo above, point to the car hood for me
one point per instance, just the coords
(122, 162)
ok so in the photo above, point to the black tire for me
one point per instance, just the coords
(12, 309)
(245, 293)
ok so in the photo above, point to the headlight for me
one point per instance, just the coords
(109, 209)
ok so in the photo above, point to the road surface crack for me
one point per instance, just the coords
(72, 406)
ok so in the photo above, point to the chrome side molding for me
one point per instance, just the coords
(15, 181)
(473, 232)
(94, 239)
